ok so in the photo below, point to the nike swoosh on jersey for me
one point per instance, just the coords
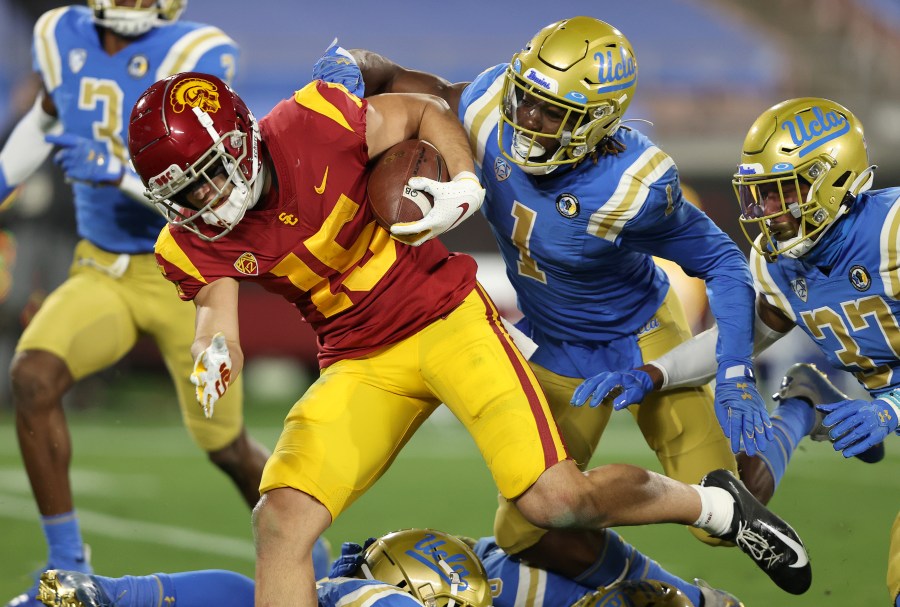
(802, 558)
(465, 209)
(321, 187)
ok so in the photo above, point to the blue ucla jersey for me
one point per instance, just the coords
(578, 244)
(514, 584)
(94, 93)
(351, 592)
(852, 312)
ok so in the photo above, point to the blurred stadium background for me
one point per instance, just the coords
(148, 500)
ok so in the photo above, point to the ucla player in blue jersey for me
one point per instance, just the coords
(825, 258)
(413, 567)
(408, 568)
(94, 62)
(579, 205)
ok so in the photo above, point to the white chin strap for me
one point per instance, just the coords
(454, 581)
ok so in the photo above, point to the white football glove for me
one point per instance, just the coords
(454, 202)
(212, 373)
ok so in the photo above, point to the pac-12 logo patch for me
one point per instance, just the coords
(860, 279)
(798, 285)
(77, 57)
(195, 92)
(247, 264)
(567, 205)
(502, 169)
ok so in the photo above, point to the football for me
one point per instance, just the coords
(390, 197)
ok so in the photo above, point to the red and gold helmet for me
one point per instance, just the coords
(188, 130)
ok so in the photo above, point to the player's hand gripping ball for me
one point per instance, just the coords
(391, 198)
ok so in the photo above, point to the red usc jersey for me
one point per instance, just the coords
(314, 241)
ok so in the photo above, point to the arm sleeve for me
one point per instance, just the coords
(689, 237)
(26, 150)
(133, 187)
(693, 363)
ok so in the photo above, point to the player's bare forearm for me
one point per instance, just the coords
(654, 373)
(382, 75)
(441, 128)
(774, 318)
(217, 313)
(395, 117)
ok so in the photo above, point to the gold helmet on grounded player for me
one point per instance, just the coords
(809, 142)
(438, 569)
(585, 71)
(636, 593)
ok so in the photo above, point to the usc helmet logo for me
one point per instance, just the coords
(195, 92)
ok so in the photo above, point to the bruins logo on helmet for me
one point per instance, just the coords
(195, 92)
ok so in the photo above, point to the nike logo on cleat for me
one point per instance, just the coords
(796, 548)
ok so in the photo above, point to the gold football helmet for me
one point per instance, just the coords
(579, 72)
(809, 145)
(636, 593)
(135, 17)
(438, 569)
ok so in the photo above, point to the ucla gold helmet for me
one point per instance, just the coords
(803, 158)
(135, 17)
(438, 569)
(572, 83)
(636, 593)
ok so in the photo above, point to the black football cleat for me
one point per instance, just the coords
(763, 536)
(59, 588)
(806, 382)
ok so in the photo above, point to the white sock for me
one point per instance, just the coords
(716, 510)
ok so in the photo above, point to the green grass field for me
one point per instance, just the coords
(149, 501)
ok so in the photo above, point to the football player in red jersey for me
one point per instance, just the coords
(401, 328)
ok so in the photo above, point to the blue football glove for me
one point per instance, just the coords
(347, 565)
(86, 160)
(858, 425)
(740, 409)
(623, 387)
(339, 66)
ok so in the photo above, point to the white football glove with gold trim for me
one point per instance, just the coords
(212, 373)
(454, 202)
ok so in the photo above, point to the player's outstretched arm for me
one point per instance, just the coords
(368, 73)
(25, 149)
(218, 358)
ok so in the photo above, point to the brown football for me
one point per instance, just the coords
(391, 198)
